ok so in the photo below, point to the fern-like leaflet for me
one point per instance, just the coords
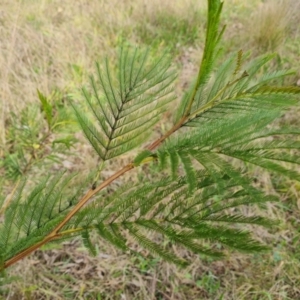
(128, 105)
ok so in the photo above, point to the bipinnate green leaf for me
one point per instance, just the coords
(229, 93)
(166, 208)
(126, 105)
(32, 215)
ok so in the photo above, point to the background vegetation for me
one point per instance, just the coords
(52, 46)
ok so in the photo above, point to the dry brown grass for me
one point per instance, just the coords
(270, 24)
(53, 44)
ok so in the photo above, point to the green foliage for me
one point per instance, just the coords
(168, 209)
(46, 107)
(224, 125)
(209, 58)
(27, 220)
(128, 104)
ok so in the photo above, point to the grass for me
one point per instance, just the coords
(51, 45)
(267, 35)
(160, 27)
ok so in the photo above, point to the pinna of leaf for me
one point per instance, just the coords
(221, 127)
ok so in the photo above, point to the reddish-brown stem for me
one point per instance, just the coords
(165, 136)
(27, 251)
(88, 196)
(54, 234)
(105, 183)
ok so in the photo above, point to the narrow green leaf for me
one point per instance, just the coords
(88, 243)
(46, 107)
(154, 247)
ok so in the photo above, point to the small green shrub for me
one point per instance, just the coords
(37, 136)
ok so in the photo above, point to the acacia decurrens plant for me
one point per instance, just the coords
(221, 128)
